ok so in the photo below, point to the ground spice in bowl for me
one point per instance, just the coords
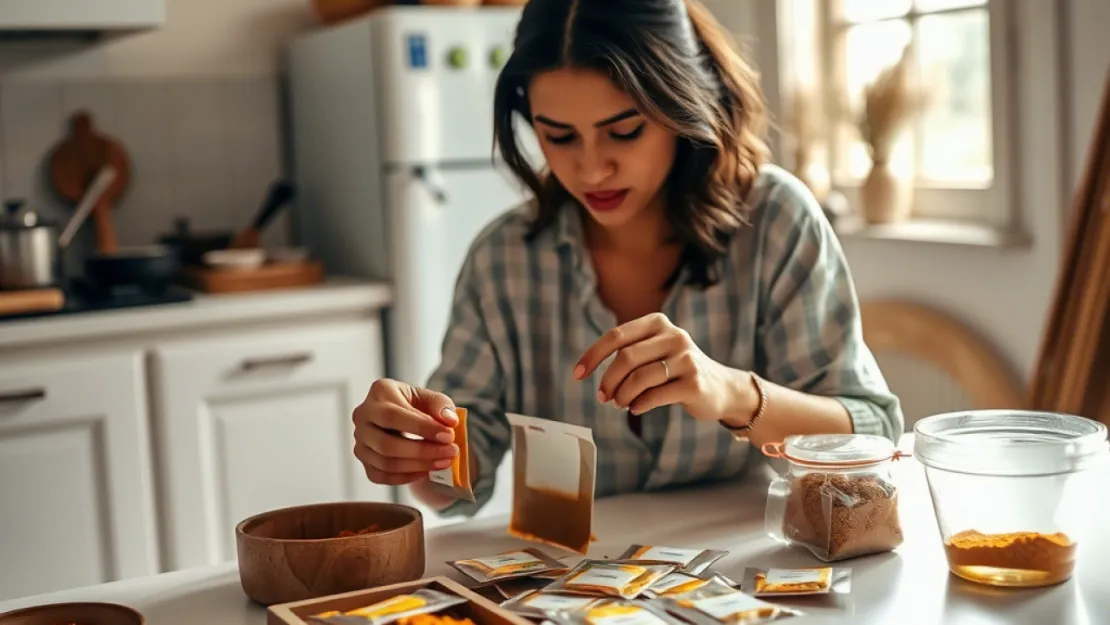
(1014, 559)
(839, 515)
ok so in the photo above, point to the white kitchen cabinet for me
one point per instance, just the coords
(257, 421)
(75, 473)
(81, 14)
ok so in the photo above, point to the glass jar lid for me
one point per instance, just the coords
(1010, 442)
(837, 449)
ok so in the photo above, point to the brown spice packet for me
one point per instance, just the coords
(792, 582)
(454, 481)
(554, 471)
(610, 578)
(687, 560)
(507, 565)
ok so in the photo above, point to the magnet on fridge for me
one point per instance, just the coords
(418, 51)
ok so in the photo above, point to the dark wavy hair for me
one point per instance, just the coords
(681, 69)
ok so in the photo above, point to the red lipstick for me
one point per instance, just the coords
(603, 201)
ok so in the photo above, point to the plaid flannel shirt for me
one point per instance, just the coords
(524, 313)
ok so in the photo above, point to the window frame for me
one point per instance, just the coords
(992, 205)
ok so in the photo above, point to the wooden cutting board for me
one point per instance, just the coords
(74, 163)
(31, 301)
(264, 278)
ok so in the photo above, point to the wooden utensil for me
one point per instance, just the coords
(74, 163)
(251, 236)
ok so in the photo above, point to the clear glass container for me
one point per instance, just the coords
(837, 497)
(1012, 491)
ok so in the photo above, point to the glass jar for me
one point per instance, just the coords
(1011, 490)
(837, 498)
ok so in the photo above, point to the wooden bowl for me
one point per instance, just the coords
(296, 553)
(83, 613)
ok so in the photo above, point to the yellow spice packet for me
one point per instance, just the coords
(509, 565)
(540, 604)
(610, 578)
(803, 581)
(687, 560)
(716, 603)
(615, 612)
(454, 481)
(422, 601)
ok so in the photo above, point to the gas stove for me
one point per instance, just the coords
(82, 296)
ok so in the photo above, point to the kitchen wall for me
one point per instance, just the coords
(196, 103)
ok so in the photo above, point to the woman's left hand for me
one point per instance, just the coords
(658, 364)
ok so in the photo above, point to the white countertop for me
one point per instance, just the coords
(332, 296)
(910, 586)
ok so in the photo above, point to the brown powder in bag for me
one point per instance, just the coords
(838, 516)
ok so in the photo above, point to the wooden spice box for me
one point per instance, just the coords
(478, 609)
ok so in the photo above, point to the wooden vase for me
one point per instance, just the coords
(885, 197)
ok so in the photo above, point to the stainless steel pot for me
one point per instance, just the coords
(29, 251)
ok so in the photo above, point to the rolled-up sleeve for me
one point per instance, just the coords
(811, 331)
(471, 375)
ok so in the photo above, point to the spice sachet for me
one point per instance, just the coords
(554, 471)
(687, 560)
(610, 578)
(454, 481)
(505, 566)
(418, 602)
(805, 581)
(615, 612)
(716, 603)
(540, 604)
(678, 582)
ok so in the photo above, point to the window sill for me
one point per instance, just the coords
(961, 233)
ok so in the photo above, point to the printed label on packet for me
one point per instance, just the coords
(614, 578)
(547, 601)
(723, 606)
(681, 557)
(517, 561)
(795, 576)
(673, 581)
(443, 477)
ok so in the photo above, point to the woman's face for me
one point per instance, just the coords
(605, 153)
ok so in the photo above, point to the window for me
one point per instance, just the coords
(956, 146)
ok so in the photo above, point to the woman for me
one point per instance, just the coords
(660, 242)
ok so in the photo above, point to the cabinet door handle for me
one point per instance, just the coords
(11, 397)
(291, 360)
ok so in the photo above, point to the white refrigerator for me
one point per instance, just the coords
(391, 120)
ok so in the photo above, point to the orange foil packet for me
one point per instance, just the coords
(454, 481)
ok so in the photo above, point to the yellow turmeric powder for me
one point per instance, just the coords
(1014, 559)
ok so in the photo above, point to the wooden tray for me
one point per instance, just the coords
(266, 277)
(478, 609)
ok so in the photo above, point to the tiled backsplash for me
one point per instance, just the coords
(206, 149)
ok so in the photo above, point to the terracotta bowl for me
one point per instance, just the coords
(296, 553)
(83, 613)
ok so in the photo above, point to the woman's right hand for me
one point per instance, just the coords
(391, 414)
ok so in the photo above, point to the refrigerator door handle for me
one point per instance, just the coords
(421, 173)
